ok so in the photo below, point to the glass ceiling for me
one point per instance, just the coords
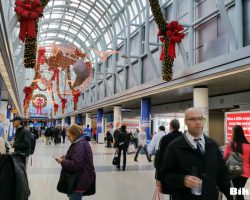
(89, 23)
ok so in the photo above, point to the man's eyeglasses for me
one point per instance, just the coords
(194, 119)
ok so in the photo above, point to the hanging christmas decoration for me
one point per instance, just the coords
(28, 12)
(63, 101)
(169, 34)
(39, 101)
(56, 106)
(75, 94)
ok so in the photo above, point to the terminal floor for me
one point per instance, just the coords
(136, 183)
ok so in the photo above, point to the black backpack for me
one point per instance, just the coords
(32, 143)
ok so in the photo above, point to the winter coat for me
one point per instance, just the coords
(22, 141)
(13, 178)
(179, 161)
(79, 158)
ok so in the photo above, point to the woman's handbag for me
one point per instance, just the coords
(92, 189)
(67, 182)
(116, 158)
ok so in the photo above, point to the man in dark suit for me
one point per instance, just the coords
(193, 160)
(174, 127)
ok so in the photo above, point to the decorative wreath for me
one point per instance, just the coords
(39, 96)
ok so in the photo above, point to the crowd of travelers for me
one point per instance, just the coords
(188, 165)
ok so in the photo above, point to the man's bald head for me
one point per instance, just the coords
(191, 111)
(195, 121)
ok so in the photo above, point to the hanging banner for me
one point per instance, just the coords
(237, 118)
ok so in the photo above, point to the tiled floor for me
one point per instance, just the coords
(136, 183)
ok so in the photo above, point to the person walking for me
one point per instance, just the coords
(174, 127)
(142, 143)
(123, 143)
(241, 145)
(87, 133)
(154, 144)
(79, 159)
(193, 165)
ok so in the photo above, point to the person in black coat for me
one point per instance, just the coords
(14, 182)
(123, 143)
(164, 143)
(22, 138)
(193, 160)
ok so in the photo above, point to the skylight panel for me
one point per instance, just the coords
(56, 3)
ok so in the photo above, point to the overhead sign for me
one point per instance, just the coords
(14, 110)
(237, 118)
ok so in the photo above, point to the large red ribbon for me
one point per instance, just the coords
(173, 32)
(28, 12)
(41, 53)
(76, 95)
(55, 75)
(63, 101)
(55, 108)
(28, 95)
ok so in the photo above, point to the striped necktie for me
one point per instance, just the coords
(198, 144)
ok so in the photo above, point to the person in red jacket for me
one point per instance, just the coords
(241, 145)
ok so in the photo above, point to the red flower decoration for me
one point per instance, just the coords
(28, 11)
(173, 32)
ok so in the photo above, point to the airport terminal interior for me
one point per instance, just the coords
(103, 64)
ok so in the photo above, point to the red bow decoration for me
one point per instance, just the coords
(63, 101)
(28, 92)
(41, 53)
(28, 11)
(76, 94)
(173, 32)
(28, 96)
(55, 108)
(55, 75)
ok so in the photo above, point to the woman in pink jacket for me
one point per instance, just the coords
(241, 145)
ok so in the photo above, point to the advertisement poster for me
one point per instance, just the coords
(237, 118)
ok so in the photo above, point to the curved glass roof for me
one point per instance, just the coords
(89, 23)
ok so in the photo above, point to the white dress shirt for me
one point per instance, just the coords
(155, 141)
(193, 143)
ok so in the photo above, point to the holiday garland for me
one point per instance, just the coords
(169, 35)
(29, 12)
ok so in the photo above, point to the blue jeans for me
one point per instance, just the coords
(75, 196)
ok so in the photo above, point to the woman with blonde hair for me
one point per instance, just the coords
(79, 159)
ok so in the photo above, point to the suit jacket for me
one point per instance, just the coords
(181, 158)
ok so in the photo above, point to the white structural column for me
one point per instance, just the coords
(200, 95)
(117, 116)
(72, 119)
(88, 120)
